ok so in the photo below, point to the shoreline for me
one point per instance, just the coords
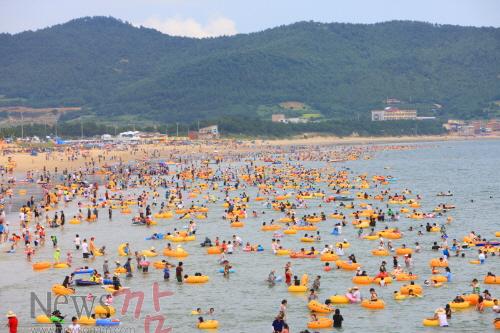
(59, 159)
(329, 140)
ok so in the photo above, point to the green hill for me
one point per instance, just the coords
(117, 71)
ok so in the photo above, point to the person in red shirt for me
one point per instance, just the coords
(288, 276)
(12, 322)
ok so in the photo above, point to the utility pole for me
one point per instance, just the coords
(81, 127)
(22, 125)
(177, 124)
(56, 128)
(198, 125)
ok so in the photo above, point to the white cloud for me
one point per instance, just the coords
(189, 27)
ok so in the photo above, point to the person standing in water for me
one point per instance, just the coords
(12, 322)
(337, 319)
(178, 272)
(128, 267)
(57, 255)
(57, 318)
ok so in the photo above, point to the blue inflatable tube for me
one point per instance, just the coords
(107, 281)
(493, 243)
(222, 270)
(107, 322)
(84, 283)
(159, 237)
(84, 271)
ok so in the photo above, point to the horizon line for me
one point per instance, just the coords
(139, 26)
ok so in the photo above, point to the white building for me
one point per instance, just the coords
(210, 132)
(393, 113)
(297, 120)
(129, 136)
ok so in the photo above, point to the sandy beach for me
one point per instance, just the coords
(169, 151)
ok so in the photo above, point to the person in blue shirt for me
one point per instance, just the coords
(446, 252)
(166, 272)
(448, 274)
(278, 324)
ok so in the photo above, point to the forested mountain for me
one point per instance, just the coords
(113, 69)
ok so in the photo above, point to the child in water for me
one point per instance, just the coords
(373, 295)
(337, 319)
(54, 240)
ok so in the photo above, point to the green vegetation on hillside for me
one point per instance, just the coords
(341, 71)
(265, 112)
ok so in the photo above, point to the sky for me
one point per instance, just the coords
(208, 18)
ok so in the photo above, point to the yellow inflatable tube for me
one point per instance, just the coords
(307, 240)
(320, 323)
(104, 310)
(430, 322)
(339, 299)
(149, 253)
(461, 305)
(209, 324)
(43, 319)
(362, 279)
(380, 253)
(329, 257)
(316, 306)
(196, 279)
(121, 250)
(373, 305)
(59, 289)
(41, 265)
(399, 297)
(282, 252)
(178, 253)
(297, 289)
(88, 321)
